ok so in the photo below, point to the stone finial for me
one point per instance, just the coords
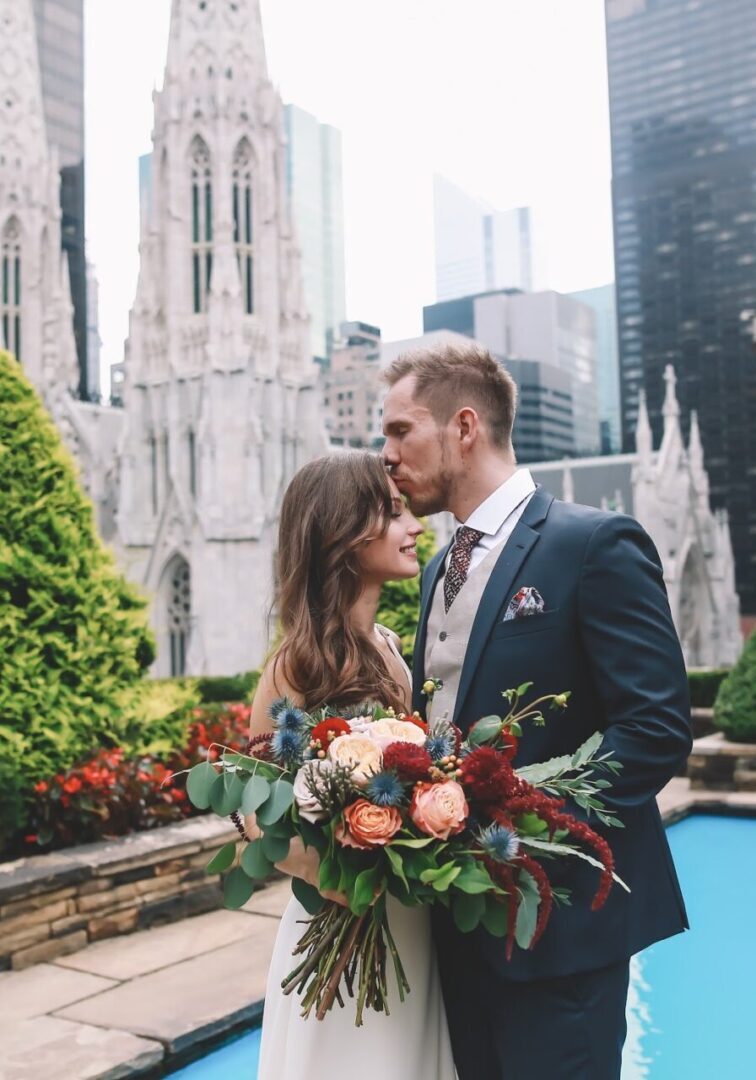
(671, 408)
(695, 447)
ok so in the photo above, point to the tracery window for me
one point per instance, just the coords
(179, 613)
(10, 286)
(243, 222)
(202, 223)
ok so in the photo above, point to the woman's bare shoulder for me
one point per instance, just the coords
(274, 684)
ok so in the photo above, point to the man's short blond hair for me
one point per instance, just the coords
(449, 377)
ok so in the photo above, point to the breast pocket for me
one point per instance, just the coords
(526, 624)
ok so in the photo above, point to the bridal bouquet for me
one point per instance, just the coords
(396, 806)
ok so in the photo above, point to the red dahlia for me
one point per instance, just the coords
(327, 730)
(410, 762)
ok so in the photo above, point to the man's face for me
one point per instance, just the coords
(416, 450)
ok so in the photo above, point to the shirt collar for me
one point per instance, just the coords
(489, 517)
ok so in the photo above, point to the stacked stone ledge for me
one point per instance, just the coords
(53, 905)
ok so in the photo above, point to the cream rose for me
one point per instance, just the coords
(358, 751)
(386, 731)
(439, 810)
(309, 807)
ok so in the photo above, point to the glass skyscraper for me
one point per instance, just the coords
(682, 88)
(314, 185)
(60, 45)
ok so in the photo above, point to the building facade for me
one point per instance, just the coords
(546, 326)
(59, 26)
(352, 387)
(314, 186)
(478, 248)
(220, 396)
(603, 302)
(682, 79)
(667, 491)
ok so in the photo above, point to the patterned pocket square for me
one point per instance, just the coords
(526, 601)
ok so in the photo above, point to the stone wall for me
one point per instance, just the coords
(52, 905)
(719, 765)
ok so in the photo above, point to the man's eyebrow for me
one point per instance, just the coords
(399, 422)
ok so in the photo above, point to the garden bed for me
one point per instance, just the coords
(55, 904)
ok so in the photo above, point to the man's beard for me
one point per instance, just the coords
(433, 501)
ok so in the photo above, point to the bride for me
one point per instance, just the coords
(344, 531)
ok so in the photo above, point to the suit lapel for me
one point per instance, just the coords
(499, 587)
(431, 575)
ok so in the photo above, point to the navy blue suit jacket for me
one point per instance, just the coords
(606, 634)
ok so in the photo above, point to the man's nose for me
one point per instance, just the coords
(389, 454)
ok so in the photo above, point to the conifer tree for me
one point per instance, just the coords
(735, 705)
(73, 633)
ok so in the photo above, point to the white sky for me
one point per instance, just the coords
(507, 98)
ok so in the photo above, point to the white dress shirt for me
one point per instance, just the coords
(497, 516)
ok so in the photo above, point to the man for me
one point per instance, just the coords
(571, 598)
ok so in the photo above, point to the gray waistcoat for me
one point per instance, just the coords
(448, 634)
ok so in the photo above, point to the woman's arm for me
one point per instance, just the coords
(301, 862)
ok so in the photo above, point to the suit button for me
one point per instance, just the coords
(442, 636)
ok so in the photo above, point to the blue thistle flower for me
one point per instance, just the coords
(287, 746)
(499, 842)
(440, 744)
(285, 715)
(385, 789)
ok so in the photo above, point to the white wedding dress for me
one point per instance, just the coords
(412, 1043)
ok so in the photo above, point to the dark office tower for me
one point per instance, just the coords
(60, 44)
(682, 88)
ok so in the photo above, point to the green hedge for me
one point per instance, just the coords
(74, 633)
(735, 706)
(399, 606)
(704, 684)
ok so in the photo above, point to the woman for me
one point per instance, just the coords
(344, 531)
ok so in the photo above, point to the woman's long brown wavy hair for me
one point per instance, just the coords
(331, 508)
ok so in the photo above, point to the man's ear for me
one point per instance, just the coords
(469, 426)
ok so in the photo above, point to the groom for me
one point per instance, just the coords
(571, 598)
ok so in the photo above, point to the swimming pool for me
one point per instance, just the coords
(690, 1006)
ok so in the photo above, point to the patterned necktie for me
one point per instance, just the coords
(459, 564)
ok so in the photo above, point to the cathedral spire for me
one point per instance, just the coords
(671, 408)
(643, 438)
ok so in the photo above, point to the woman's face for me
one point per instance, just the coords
(392, 556)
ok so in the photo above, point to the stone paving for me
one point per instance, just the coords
(125, 1007)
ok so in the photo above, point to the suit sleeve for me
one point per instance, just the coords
(635, 660)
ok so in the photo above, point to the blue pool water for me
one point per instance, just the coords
(691, 1001)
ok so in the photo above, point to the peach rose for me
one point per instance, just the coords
(439, 810)
(366, 825)
(358, 751)
(388, 730)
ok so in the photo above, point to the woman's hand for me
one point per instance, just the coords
(300, 862)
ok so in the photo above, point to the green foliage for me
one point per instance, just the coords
(399, 607)
(704, 684)
(735, 705)
(74, 632)
(221, 688)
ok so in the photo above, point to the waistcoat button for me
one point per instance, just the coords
(442, 636)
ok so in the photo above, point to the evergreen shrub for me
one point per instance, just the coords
(735, 705)
(399, 607)
(704, 684)
(74, 633)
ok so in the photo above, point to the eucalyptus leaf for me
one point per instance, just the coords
(226, 793)
(276, 848)
(474, 878)
(494, 918)
(278, 802)
(237, 888)
(467, 911)
(222, 859)
(527, 911)
(255, 862)
(485, 730)
(198, 783)
(256, 791)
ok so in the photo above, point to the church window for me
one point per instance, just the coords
(10, 286)
(179, 614)
(166, 462)
(192, 463)
(154, 473)
(202, 224)
(243, 208)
